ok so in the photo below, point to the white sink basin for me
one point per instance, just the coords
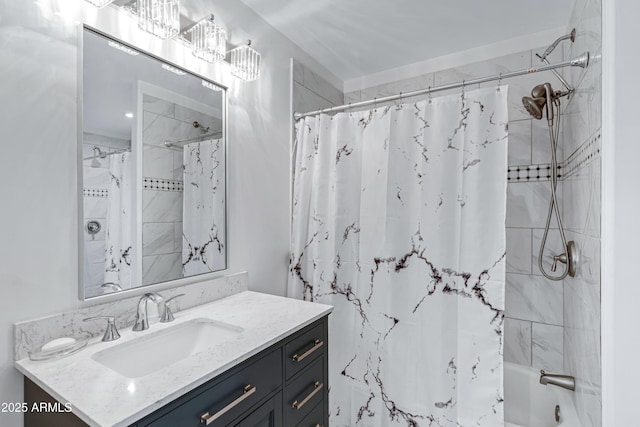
(158, 350)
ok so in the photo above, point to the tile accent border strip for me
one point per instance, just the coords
(95, 192)
(162, 184)
(586, 153)
(531, 173)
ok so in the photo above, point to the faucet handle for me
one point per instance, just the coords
(111, 333)
(167, 316)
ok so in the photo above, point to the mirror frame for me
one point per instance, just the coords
(140, 289)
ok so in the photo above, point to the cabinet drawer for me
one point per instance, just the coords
(230, 398)
(304, 393)
(315, 417)
(269, 414)
(304, 349)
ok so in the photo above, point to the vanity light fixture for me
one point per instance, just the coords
(208, 40)
(123, 48)
(245, 62)
(99, 3)
(174, 70)
(159, 17)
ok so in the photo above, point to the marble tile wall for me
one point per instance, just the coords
(534, 305)
(312, 92)
(581, 210)
(162, 196)
(31, 334)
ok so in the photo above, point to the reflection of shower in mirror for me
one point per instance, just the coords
(137, 125)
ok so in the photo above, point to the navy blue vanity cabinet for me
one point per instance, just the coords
(283, 386)
(269, 414)
(315, 418)
(306, 399)
(226, 398)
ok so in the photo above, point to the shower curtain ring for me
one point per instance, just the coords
(375, 104)
(429, 94)
(350, 110)
(499, 81)
(463, 86)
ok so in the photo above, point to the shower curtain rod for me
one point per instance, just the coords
(580, 61)
(181, 143)
(110, 153)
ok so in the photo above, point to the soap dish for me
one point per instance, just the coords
(58, 352)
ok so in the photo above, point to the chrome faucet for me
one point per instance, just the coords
(111, 333)
(564, 381)
(142, 321)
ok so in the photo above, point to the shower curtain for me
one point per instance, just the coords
(399, 223)
(203, 208)
(119, 235)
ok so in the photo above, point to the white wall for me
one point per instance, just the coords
(621, 204)
(38, 249)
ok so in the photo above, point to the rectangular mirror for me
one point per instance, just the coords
(153, 170)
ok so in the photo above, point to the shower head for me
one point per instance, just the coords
(98, 152)
(571, 36)
(534, 106)
(542, 96)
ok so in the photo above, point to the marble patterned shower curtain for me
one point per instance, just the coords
(399, 222)
(203, 247)
(119, 237)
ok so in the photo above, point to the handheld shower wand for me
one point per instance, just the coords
(543, 97)
(542, 101)
(539, 102)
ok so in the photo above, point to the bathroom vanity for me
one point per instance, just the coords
(268, 369)
(153, 210)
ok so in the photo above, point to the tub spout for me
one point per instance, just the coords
(564, 381)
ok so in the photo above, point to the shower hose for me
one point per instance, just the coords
(554, 132)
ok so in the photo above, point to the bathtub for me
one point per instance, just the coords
(527, 403)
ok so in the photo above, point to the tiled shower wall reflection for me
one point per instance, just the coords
(534, 305)
(162, 195)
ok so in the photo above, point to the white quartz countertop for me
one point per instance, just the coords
(102, 397)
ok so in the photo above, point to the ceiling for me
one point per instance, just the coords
(109, 86)
(353, 38)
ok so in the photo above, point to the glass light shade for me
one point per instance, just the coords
(245, 63)
(99, 3)
(209, 41)
(159, 17)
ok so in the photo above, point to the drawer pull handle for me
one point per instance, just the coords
(316, 388)
(207, 419)
(316, 345)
